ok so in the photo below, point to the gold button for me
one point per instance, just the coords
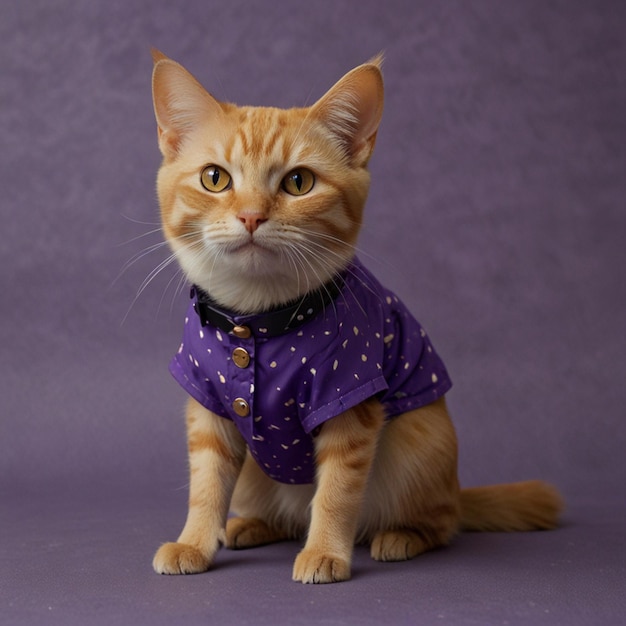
(241, 407)
(242, 332)
(241, 358)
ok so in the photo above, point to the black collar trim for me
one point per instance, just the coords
(271, 323)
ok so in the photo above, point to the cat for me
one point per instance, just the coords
(316, 407)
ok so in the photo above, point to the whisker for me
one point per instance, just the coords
(303, 247)
(331, 270)
(284, 253)
(188, 240)
(327, 250)
(146, 234)
(169, 282)
(142, 223)
(321, 253)
(358, 250)
(141, 254)
(303, 259)
(333, 239)
(182, 279)
(151, 276)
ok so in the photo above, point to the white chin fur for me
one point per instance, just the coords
(251, 280)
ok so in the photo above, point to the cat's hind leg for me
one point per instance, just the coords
(266, 511)
(405, 544)
(397, 545)
(412, 503)
(249, 532)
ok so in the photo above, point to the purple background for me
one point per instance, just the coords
(496, 212)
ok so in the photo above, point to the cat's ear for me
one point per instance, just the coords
(180, 103)
(352, 109)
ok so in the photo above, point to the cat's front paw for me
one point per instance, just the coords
(179, 558)
(312, 566)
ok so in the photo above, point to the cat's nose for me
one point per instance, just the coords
(252, 220)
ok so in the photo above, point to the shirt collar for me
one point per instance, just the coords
(272, 323)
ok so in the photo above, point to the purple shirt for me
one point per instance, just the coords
(366, 343)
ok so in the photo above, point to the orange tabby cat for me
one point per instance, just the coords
(262, 208)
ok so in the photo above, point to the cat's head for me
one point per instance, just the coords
(261, 205)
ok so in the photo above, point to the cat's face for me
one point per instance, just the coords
(261, 205)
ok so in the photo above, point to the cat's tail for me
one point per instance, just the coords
(530, 505)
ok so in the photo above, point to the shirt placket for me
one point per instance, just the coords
(241, 381)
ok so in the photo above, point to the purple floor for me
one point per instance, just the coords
(86, 560)
(496, 212)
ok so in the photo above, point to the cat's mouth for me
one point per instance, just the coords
(251, 246)
(251, 253)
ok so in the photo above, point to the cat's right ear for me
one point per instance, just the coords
(180, 104)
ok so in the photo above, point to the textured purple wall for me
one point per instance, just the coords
(496, 212)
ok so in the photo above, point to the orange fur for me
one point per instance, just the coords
(392, 485)
(531, 505)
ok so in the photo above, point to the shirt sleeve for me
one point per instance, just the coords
(415, 372)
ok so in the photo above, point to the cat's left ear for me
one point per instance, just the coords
(352, 109)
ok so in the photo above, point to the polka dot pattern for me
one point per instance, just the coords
(365, 344)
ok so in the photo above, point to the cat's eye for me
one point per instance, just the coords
(298, 182)
(215, 179)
